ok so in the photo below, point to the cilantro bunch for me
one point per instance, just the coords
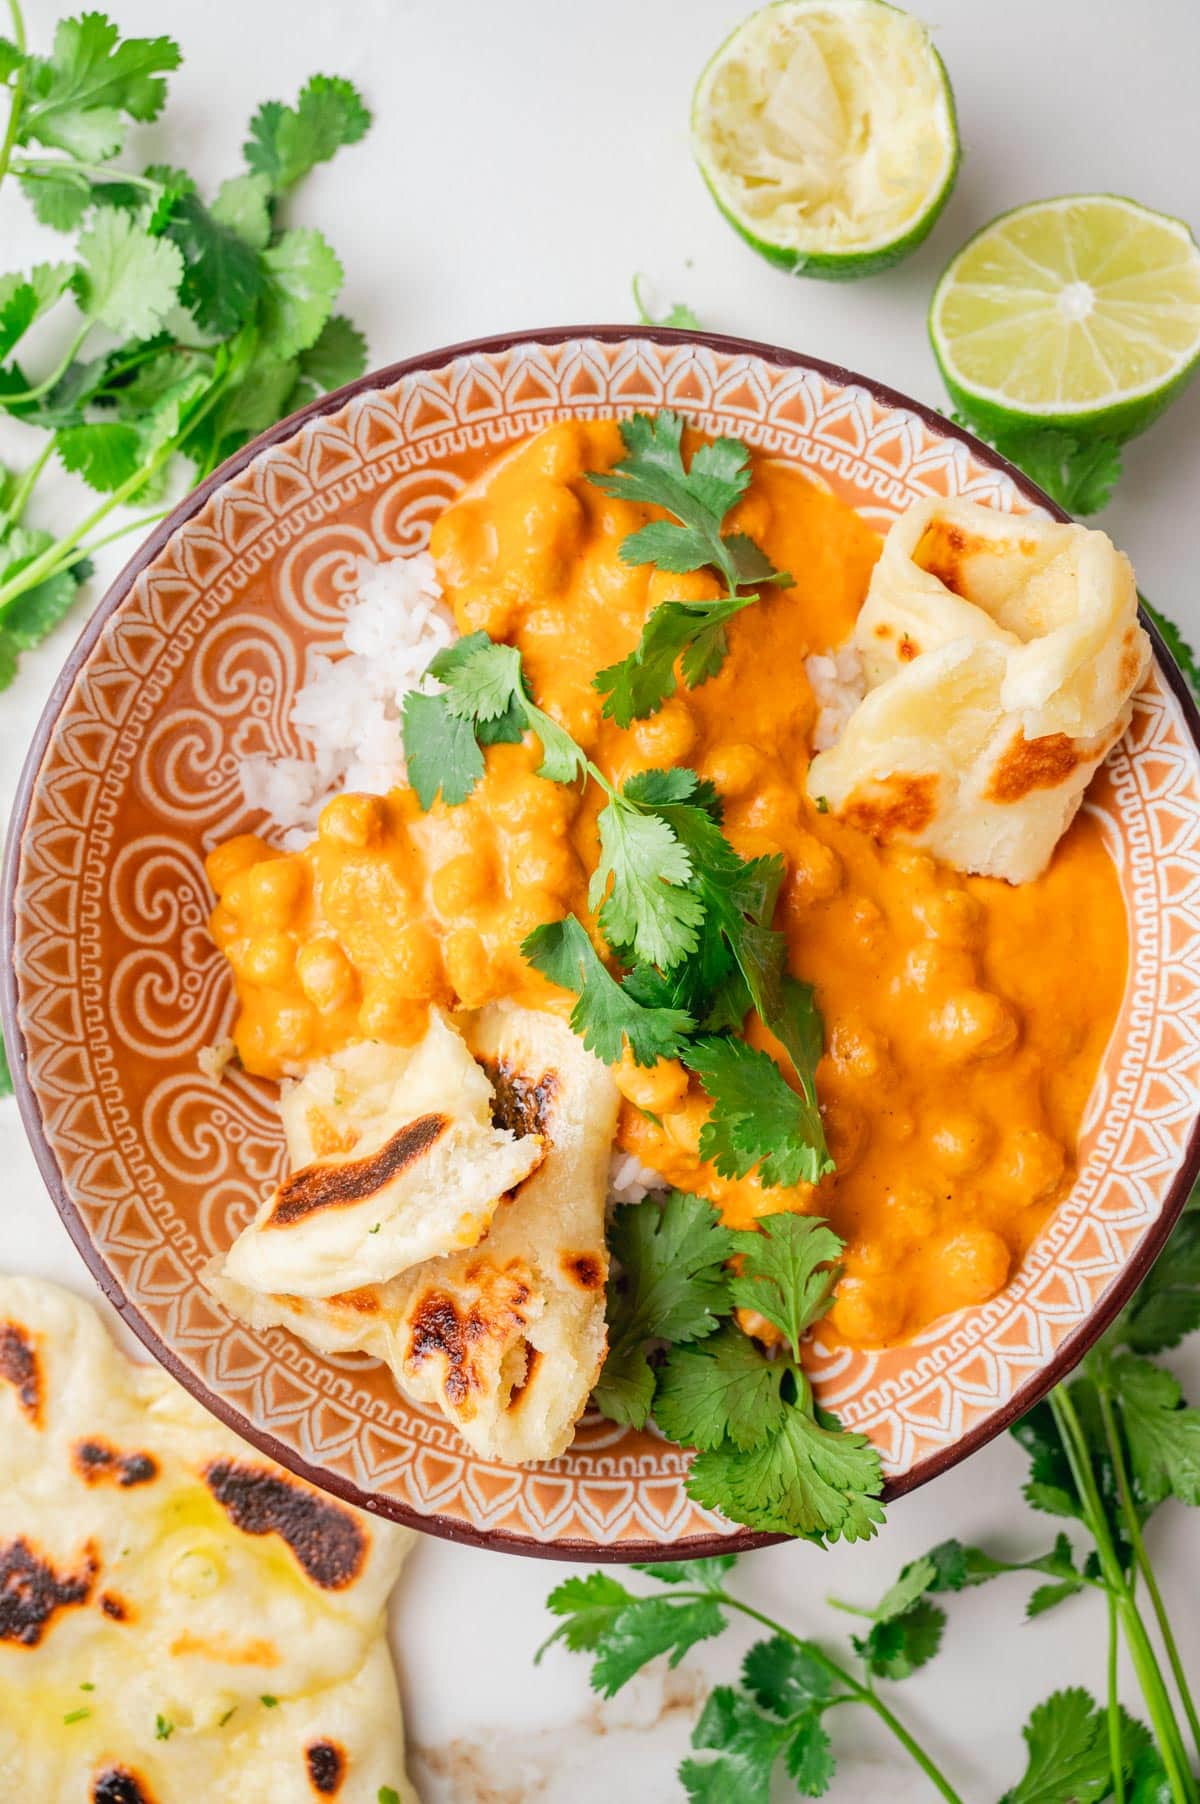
(699, 498)
(768, 1455)
(184, 324)
(679, 909)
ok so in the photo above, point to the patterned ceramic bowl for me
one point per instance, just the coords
(112, 985)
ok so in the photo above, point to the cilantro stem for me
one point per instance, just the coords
(56, 374)
(51, 559)
(1145, 1662)
(1133, 1529)
(95, 172)
(856, 1691)
(1114, 1706)
(16, 101)
(25, 487)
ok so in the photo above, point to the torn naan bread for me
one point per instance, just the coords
(395, 1159)
(1001, 654)
(180, 1619)
(507, 1339)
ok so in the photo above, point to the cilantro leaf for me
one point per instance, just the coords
(338, 355)
(1163, 1435)
(75, 97)
(223, 275)
(286, 142)
(606, 1014)
(1166, 1306)
(23, 299)
(678, 315)
(6, 1081)
(302, 279)
(810, 1478)
(670, 1284)
(787, 1677)
(483, 679)
(709, 1574)
(243, 206)
(625, 1632)
(747, 1744)
(1080, 474)
(648, 909)
(440, 750)
(757, 1119)
(895, 1647)
(105, 454)
(1068, 1753)
(126, 280)
(59, 196)
(789, 1267)
(699, 497)
(589, 1607)
(722, 1388)
(1048, 1597)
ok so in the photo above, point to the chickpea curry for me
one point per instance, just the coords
(957, 1067)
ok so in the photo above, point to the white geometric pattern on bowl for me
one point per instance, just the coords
(118, 985)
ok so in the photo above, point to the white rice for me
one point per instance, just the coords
(839, 684)
(629, 1181)
(349, 710)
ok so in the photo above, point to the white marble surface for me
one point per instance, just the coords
(528, 156)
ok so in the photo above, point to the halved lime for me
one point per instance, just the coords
(1081, 312)
(825, 130)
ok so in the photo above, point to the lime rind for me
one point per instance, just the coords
(1124, 410)
(867, 257)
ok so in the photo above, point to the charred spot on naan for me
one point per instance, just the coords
(326, 1765)
(521, 1102)
(326, 1137)
(32, 1592)
(946, 546)
(908, 649)
(465, 1339)
(117, 1785)
(115, 1608)
(329, 1543)
(98, 1463)
(19, 1366)
(1029, 764)
(584, 1269)
(901, 803)
(354, 1180)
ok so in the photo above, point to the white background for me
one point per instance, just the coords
(527, 157)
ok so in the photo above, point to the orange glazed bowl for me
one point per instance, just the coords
(112, 985)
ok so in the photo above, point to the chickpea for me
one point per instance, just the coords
(866, 923)
(415, 964)
(224, 926)
(774, 809)
(661, 1089)
(552, 526)
(462, 883)
(858, 1053)
(931, 965)
(268, 960)
(485, 607)
(271, 892)
(326, 975)
(974, 1265)
(816, 874)
(910, 1213)
(385, 1014)
(961, 1142)
(752, 515)
(295, 1031)
(559, 452)
(226, 862)
(952, 916)
(666, 737)
(353, 820)
(459, 540)
(694, 585)
(683, 1125)
(469, 968)
(973, 1024)
(732, 768)
(868, 1312)
(1032, 1164)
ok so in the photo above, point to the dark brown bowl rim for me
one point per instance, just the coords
(448, 1528)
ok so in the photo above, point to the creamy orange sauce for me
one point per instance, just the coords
(965, 1020)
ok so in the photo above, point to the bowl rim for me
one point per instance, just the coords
(575, 1549)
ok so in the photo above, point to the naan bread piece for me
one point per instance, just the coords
(396, 1160)
(1001, 654)
(507, 1338)
(159, 1580)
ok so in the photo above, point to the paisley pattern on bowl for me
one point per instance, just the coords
(192, 661)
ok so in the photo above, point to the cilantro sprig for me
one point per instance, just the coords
(222, 316)
(699, 498)
(676, 904)
(767, 1454)
(679, 314)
